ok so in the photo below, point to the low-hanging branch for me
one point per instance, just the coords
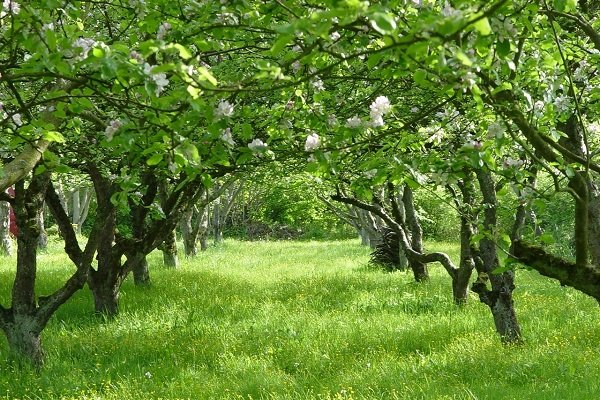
(585, 278)
(425, 258)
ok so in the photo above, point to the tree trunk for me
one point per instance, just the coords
(418, 267)
(106, 297)
(139, 263)
(169, 245)
(141, 272)
(24, 341)
(169, 250)
(468, 252)
(5, 240)
(187, 232)
(20, 324)
(216, 222)
(43, 238)
(105, 281)
(499, 298)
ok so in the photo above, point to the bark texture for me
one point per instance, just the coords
(499, 297)
(6, 247)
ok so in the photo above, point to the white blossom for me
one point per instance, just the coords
(318, 85)
(10, 7)
(512, 163)
(581, 74)
(224, 109)
(17, 119)
(227, 137)
(354, 122)
(85, 44)
(381, 105)
(449, 11)
(562, 104)
(379, 108)
(112, 128)
(414, 110)
(160, 79)
(257, 145)
(538, 108)
(335, 36)
(377, 121)
(162, 30)
(296, 66)
(134, 55)
(48, 27)
(496, 130)
(370, 173)
(313, 141)
(594, 128)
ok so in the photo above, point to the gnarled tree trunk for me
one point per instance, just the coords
(499, 298)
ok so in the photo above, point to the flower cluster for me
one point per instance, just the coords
(112, 128)
(224, 109)
(379, 108)
(354, 122)
(313, 141)
(162, 30)
(10, 7)
(160, 79)
(257, 145)
(227, 137)
(17, 119)
(496, 130)
(85, 44)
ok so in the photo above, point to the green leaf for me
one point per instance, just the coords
(194, 92)
(183, 52)
(383, 23)
(463, 58)
(565, 5)
(503, 48)
(547, 238)
(483, 26)
(280, 43)
(188, 151)
(420, 77)
(155, 159)
(207, 76)
(502, 87)
(98, 52)
(53, 136)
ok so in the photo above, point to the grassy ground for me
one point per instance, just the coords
(305, 320)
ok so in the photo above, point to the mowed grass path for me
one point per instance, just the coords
(304, 320)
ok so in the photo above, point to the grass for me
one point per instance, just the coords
(288, 320)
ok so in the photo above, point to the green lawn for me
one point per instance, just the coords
(299, 320)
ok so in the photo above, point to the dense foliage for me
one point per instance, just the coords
(479, 117)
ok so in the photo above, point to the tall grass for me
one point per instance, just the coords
(287, 320)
